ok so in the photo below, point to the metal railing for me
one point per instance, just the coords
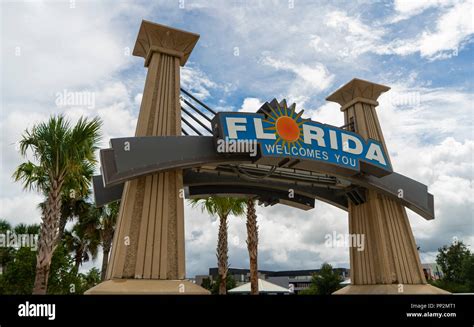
(196, 116)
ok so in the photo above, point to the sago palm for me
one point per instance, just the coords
(63, 155)
(222, 207)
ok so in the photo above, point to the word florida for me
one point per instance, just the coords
(291, 136)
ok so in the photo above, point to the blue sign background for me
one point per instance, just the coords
(305, 151)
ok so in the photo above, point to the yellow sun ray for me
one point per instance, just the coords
(292, 111)
(284, 107)
(280, 113)
(275, 112)
(299, 115)
(281, 109)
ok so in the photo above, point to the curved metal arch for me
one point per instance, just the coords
(133, 157)
(206, 184)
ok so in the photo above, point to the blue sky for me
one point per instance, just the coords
(250, 52)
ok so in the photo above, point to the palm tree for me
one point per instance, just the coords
(84, 237)
(6, 253)
(64, 156)
(26, 229)
(107, 230)
(222, 207)
(4, 226)
(252, 245)
(71, 207)
(73, 198)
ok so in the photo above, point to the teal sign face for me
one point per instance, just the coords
(283, 133)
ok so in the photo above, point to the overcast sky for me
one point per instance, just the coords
(250, 52)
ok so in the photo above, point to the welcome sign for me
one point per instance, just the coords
(281, 132)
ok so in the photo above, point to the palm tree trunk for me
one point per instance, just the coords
(47, 239)
(41, 279)
(105, 262)
(78, 260)
(252, 245)
(222, 254)
(107, 236)
(62, 226)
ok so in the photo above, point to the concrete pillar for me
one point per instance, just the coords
(148, 249)
(389, 262)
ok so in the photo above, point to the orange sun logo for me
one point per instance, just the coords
(285, 122)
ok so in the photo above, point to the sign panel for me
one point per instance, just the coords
(283, 133)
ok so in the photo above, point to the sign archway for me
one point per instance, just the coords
(274, 155)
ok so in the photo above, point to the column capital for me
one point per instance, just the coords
(154, 37)
(357, 90)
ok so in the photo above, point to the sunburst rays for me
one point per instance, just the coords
(278, 110)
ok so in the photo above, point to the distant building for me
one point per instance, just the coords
(264, 287)
(296, 280)
(432, 271)
(199, 279)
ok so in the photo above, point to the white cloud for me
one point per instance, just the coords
(408, 8)
(251, 105)
(12, 128)
(453, 29)
(421, 115)
(59, 47)
(296, 247)
(114, 105)
(328, 113)
(138, 99)
(316, 74)
(196, 82)
(350, 37)
(357, 37)
(22, 208)
(446, 168)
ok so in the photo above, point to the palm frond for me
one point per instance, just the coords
(221, 206)
(33, 177)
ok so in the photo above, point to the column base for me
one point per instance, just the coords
(390, 289)
(147, 286)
